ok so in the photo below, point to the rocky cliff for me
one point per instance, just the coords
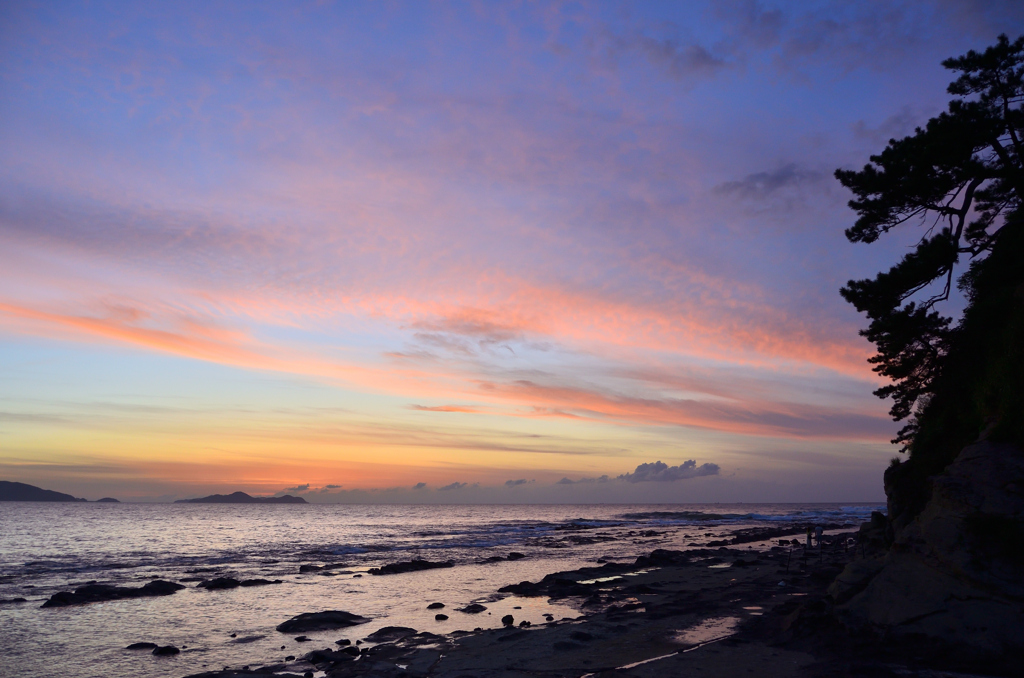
(954, 573)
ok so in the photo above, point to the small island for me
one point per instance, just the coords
(12, 491)
(242, 498)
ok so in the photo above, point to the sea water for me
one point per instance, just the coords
(46, 548)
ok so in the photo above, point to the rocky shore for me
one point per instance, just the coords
(722, 611)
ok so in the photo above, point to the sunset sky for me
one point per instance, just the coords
(411, 251)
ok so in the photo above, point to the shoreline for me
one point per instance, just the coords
(667, 612)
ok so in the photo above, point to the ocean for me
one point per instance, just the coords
(46, 548)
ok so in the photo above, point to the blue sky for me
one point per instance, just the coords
(369, 245)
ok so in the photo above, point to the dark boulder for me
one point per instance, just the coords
(660, 557)
(260, 582)
(390, 633)
(317, 621)
(98, 593)
(441, 617)
(218, 584)
(414, 565)
(435, 606)
(515, 555)
(472, 608)
(327, 656)
(166, 651)
(142, 646)
(508, 620)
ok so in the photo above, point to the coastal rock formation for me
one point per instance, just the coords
(98, 593)
(142, 646)
(107, 500)
(221, 583)
(12, 491)
(166, 651)
(242, 498)
(955, 572)
(414, 565)
(390, 634)
(319, 621)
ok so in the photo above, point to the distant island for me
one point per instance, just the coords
(12, 491)
(108, 500)
(242, 498)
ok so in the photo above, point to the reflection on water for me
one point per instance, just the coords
(710, 629)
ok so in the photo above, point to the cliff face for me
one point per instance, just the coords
(955, 571)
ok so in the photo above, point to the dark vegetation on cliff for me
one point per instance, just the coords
(960, 179)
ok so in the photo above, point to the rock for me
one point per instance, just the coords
(414, 565)
(954, 573)
(316, 621)
(302, 639)
(166, 651)
(350, 650)
(141, 646)
(524, 624)
(260, 582)
(98, 593)
(508, 620)
(219, 583)
(244, 640)
(303, 569)
(440, 617)
(290, 658)
(435, 606)
(472, 608)
(343, 642)
(327, 655)
(390, 634)
(12, 601)
(515, 555)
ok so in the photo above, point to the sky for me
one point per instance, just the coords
(451, 252)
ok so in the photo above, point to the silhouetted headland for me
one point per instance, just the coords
(242, 498)
(12, 491)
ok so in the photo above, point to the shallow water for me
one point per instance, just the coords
(45, 548)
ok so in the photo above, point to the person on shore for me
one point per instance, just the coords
(818, 532)
(808, 536)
